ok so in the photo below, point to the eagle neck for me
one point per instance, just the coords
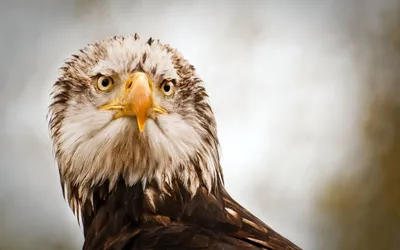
(140, 204)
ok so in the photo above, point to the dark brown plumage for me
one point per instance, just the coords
(124, 219)
(137, 186)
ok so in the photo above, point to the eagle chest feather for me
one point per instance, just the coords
(150, 218)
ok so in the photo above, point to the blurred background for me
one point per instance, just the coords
(306, 95)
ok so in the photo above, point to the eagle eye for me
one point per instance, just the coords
(167, 88)
(104, 83)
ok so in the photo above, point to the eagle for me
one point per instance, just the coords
(135, 141)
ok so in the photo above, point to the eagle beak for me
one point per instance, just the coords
(137, 100)
(139, 92)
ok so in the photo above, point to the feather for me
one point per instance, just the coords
(180, 222)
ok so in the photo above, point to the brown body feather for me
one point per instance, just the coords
(135, 218)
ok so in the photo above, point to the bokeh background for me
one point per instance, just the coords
(306, 95)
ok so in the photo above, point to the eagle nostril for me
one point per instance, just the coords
(129, 84)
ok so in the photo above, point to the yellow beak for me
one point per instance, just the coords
(137, 100)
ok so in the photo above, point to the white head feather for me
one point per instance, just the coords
(92, 148)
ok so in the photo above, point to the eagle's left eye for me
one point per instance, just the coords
(167, 88)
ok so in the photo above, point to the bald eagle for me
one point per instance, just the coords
(136, 145)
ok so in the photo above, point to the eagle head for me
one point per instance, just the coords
(132, 109)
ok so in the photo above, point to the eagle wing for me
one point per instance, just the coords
(127, 221)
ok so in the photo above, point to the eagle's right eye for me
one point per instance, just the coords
(105, 83)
